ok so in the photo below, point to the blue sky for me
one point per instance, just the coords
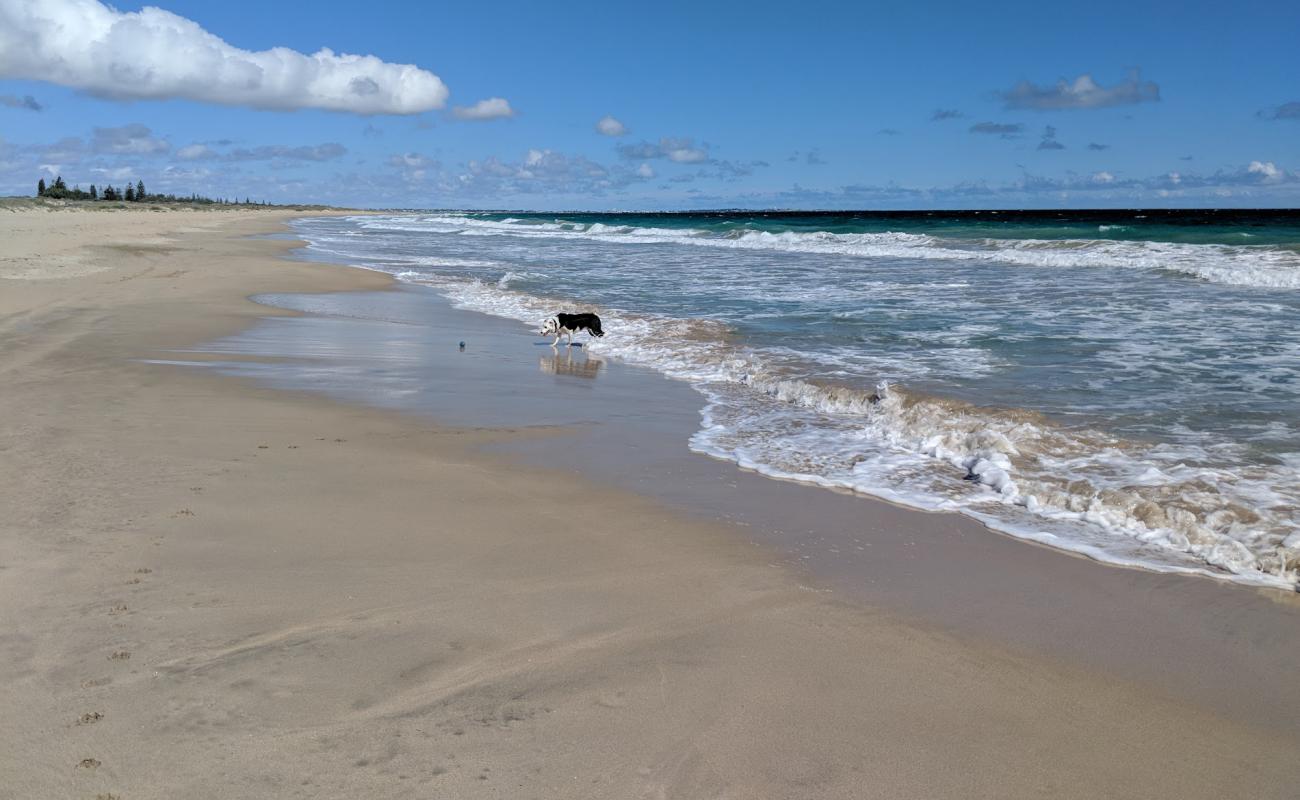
(813, 104)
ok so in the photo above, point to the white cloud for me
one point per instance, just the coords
(1267, 169)
(1103, 177)
(491, 108)
(687, 155)
(155, 54)
(645, 171)
(611, 127)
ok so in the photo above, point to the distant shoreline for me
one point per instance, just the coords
(21, 203)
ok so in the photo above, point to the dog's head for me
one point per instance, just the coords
(550, 327)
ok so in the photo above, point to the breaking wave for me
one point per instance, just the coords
(1242, 265)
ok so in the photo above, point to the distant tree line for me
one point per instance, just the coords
(131, 194)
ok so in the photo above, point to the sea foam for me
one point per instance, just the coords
(1245, 265)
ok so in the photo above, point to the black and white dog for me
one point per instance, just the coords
(568, 324)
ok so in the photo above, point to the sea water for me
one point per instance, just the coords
(1121, 384)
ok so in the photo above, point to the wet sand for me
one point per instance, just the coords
(213, 587)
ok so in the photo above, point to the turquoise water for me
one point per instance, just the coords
(1122, 384)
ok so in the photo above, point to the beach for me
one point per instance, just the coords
(220, 581)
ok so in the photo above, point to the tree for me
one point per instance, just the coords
(139, 190)
(59, 184)
(130, 193)
(93, 194)
(40, 188)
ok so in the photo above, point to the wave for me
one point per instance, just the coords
(1166, 508)
(524, 275)
(1267, 266)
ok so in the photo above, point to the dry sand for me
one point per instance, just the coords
(214, 590)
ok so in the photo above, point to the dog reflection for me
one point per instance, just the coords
(565, 364)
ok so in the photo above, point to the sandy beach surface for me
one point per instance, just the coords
(214, 588)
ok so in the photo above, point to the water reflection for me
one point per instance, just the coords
(565, 363)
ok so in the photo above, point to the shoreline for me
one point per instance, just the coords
(1193, 500)
(627, 427)
(1022, 533)
(333, 599)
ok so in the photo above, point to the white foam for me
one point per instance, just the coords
(1246, 265)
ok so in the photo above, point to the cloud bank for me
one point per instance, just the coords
(154, 54)
(1082, 92)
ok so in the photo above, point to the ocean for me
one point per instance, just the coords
(1124, 385)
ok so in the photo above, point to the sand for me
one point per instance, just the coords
(211, 589)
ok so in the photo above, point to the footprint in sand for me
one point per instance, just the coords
(117, 609)
(89, 763)
(120, 655)
(143, 571)
(90, 718)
